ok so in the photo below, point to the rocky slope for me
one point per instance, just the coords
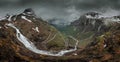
(95, 22)
(105, 48)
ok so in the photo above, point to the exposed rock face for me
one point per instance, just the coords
(95, 22)
(88, 24)
(92, 14)
(29, 12)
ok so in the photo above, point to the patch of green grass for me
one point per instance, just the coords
(57, 42)
(82, 36)
(68, 30)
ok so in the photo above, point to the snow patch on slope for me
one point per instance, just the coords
(115, 19)
(91, 17)
(0, 27)
(24, 17)
(111, 20)
(104, 45)
(10, 18)
(36, 29)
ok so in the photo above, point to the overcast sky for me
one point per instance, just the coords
(68, 10)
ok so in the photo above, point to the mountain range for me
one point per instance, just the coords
(92, 38)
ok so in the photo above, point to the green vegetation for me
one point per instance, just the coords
(68, 30)
(84, 38)
(57, 43)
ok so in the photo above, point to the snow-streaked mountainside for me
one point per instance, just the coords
(25, 37)
(93, 21)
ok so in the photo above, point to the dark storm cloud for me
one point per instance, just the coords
(96, 4)
(79, 4)
(68, 10)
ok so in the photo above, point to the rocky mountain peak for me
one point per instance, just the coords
(27, 15)
(94, 22)
(29, 12)
(93, 15)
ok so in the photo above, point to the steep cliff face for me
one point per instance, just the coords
(88, 22)
(94, 23)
